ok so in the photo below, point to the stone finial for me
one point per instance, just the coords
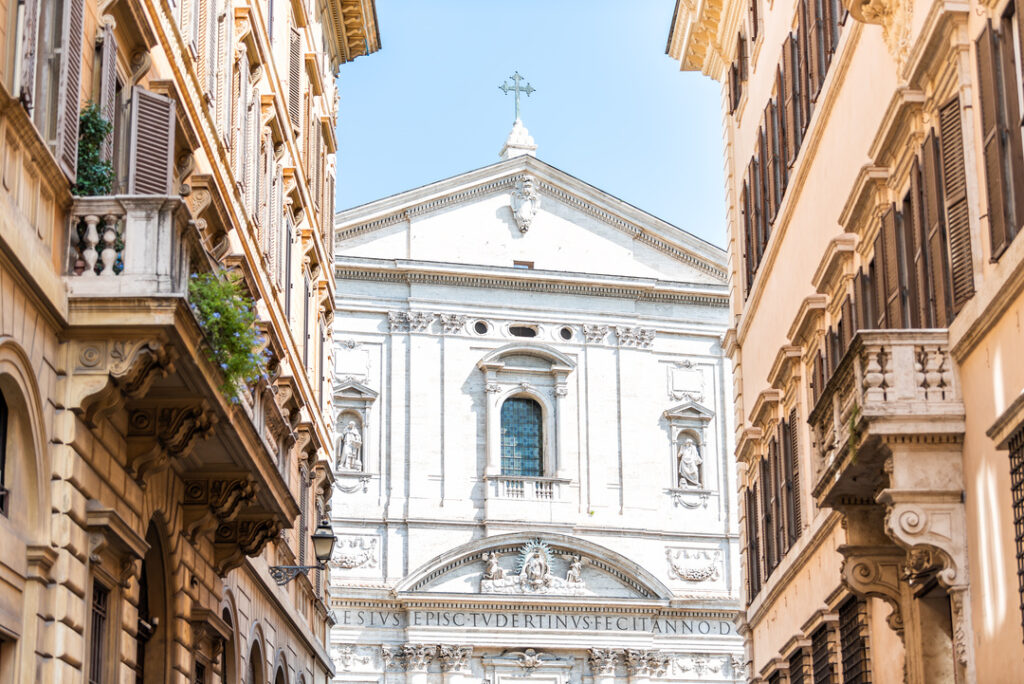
(518, 143)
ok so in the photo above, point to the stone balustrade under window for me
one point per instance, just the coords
(889, 384)
(127, 246)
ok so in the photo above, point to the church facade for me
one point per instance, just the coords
(533, 419)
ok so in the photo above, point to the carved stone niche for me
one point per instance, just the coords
(352, 403)
(690, 461)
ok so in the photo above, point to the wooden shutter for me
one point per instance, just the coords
(793, 459)
(934, 237)
(891, 266)
(1012, 131)
(748, 255)
(757, 182)
(733, 78)
(771, 177)
(741, 52)
(861, 303)
(753, 547)
(108, 87)
(848, 325)
(804, 67)
(781, 130)
(767, 511)
(814, 47)
(778, 485)
(151, 145)
(954, 192)
(791, 104)
(222, 79)
(752, 18)
(295, 77)
(993, 134)
(916, 249)
(329, 215)
(877, 280)
(202, 40)
(69, 91)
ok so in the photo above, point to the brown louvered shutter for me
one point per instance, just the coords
(741, 52)
(748, 256)
(733, 79)
(753, 547)
(329, 216)
(752, 18)
(891, 265)
(782, 130)
(295, 77)
(934, 236)
(848, 324)
(1012, 128)
(69, 91)
(767, 520)
(771, 180)
(954, 186)
(804, 67)
(814, 47)
(861, 302)
(793, 458)
(790, 101)
(108, 87)
(779, 510)
(916, 250)
(877, 280)
(993, 134)
(151, 145)
(765, 168)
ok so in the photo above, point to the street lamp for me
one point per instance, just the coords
(323, 548)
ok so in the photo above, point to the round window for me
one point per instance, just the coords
(481, 327)
(565, 333)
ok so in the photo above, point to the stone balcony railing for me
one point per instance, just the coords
(890, 384)
(127, 246)
(525, 488)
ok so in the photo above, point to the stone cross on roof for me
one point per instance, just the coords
(516, 88)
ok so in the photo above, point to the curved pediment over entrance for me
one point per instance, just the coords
(531, 565)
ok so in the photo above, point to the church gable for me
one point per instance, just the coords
(519, 565)
(525, 212)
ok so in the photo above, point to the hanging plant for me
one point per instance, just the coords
(228, 321)
(95, 176)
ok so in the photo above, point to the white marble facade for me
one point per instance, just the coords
(618, 559)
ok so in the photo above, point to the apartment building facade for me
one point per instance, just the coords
(145, 498)
(875, 185)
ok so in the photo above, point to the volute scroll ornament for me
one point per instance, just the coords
(876, 572)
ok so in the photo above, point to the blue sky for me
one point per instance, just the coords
(611, 108)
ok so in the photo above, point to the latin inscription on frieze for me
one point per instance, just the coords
(557, 622)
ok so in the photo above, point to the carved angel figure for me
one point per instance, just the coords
(690, 461)
(351, 445)
(525, 201)
(493, 570)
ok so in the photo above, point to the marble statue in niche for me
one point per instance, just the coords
(690, 462)
(351, 447)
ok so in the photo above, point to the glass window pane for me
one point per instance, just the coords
(521, 437)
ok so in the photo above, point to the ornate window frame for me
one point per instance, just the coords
(503, 380)
(690, 420)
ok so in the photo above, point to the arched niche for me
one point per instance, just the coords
(538, 372)
(154, 638)
(353, 402)
(691, 465)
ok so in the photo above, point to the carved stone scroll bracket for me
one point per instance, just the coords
(454, 658)
(894, 16)
(156, 437)
(931, 529)
(876, 571)
(107, 373)
(208, 502)
(233, 541)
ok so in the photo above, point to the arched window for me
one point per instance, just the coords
(522, 437)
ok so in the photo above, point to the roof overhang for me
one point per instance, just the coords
(351, 29)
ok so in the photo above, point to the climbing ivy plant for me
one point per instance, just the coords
(95, 175)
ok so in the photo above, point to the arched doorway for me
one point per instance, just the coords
(229, 673)
(153, 640)
(255, 665)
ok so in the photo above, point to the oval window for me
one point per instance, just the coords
(522, 331)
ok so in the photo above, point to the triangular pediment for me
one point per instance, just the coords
(690, 411)
(353, 389)
(527, 565)
(526, 207)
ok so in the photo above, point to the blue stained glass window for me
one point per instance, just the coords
(521, 437)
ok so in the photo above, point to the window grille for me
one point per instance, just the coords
(1017, 488)
(98, 633)
(521, 437)
(774, 678)
(820, 662)
(200, 677)
(851, 639)
(797, 674)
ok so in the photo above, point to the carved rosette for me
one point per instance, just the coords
(454, 658)
(418, 656)
(603, 661)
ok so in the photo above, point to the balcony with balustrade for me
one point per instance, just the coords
(894, 395)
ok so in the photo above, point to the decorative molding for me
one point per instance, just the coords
(344, 657)
(454, 658)
(694, 565)
(603, 661)
(634, 336)
(452, 324)
(355, 551)
(529, 659)
(645, 663)
(701, 665)
(417, 657)
(594, 334)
